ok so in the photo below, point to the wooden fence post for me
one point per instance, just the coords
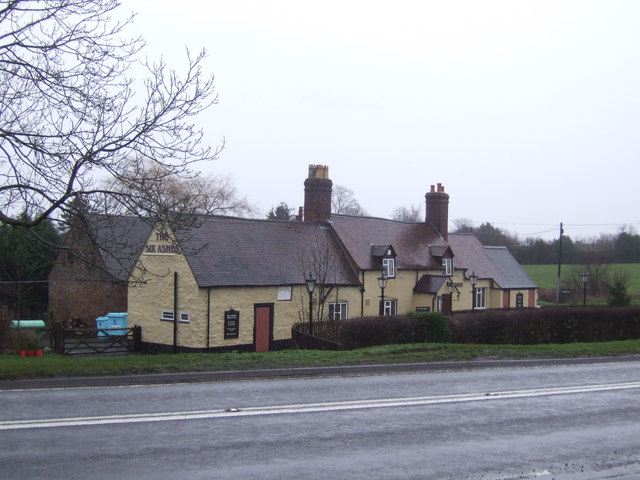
(137, 338)
(58, 339)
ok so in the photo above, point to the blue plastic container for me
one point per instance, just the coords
(102, 323)
(118, 321)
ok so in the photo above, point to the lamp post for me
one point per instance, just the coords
(585, 279)
(311, 285)
(473, 278)
(382, 282)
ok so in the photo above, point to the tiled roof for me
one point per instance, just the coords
(379, 250)
(430, 283)
(409, 240)
(227, 251)
(495, 263)
(509, 272)
(119, 240)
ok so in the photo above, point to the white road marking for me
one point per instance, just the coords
(309, 407)
(521, 476)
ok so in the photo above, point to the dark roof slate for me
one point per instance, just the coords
(409, 240)
(228, 251)
(379, 250)
(430, 283)
(510, 273)
(495, 263)
(119, 240)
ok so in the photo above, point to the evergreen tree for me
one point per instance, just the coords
(281, 212)
(618, 294)
(26, 257)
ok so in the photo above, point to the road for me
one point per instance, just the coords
(577, 422)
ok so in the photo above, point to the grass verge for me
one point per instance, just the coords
(50, 365)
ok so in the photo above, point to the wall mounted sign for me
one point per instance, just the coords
(166, 247)
(231, 324)
(519, 300)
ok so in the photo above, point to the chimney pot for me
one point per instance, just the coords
(317, 194)
(438, 210)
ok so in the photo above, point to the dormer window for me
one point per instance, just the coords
(389, 267)
(447, 266)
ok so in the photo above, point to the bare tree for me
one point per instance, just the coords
(599, 278)
(323, 260)
(343, 202)
(463, 225)
(71, 114)
(152, 189)
(410, 214)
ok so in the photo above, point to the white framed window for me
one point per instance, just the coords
(447, 266)
(166, 315)
(439, 304)
(389, 267)
(338, 311)
(284, 293)
(389, 307)
(184, 317)
(481, 298)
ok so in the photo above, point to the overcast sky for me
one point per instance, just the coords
(528, 112)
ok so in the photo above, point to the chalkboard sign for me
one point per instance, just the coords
(519, 300)
(231, 324)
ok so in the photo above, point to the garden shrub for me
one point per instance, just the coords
(618, 294)
(433, 327)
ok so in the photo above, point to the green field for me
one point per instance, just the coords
(545, 275)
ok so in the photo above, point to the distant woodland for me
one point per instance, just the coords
(622, 247)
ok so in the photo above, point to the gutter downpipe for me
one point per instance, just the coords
(175, 312)
(362, 290)
(209, 318)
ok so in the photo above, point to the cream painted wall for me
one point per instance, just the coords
(146, 301)
(157, 265)
(401, 289)
(159, 261)
(525, 299)
(243, 299)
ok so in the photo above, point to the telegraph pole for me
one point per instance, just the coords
(559, 264)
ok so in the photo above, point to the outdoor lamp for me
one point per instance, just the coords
(311, 285)
(473, 278)
(382, 281)
(585, 279)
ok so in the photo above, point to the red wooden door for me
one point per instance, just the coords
(506, 299)
(447, 304)
(263, 326)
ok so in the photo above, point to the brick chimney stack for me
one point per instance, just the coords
(438, 209)
(317, 194)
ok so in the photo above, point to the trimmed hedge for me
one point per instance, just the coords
(410, 328)
(434, 327)
(546, 325)
(516, 327)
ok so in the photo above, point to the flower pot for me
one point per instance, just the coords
(23, 353)
(38, 353)
(31, 353)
